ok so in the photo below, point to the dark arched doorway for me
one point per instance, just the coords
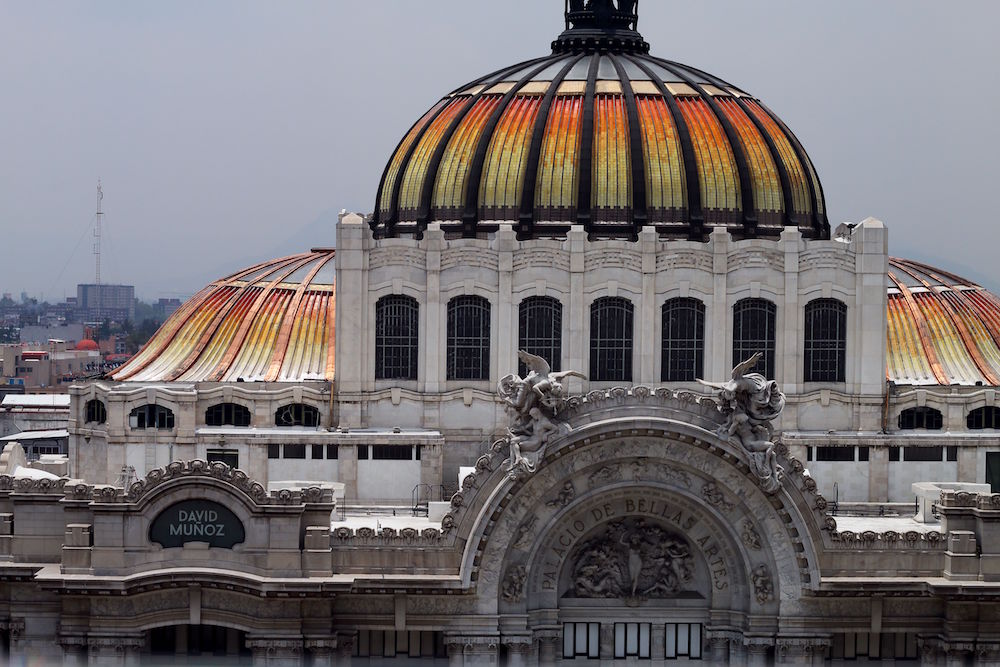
(196, 645)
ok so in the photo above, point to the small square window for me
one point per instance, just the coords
(863, 454)
(952, 453)
(317, 452)
(362, 452)
(331, 452)
(274, 451)
(295, 451)
(894, 453)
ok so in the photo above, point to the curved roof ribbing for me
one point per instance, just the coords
(272, 322)
(942, 329)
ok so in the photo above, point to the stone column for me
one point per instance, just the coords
(789, 348)
(987, 654)
(719, 646)
(74, 650)
(878, 474)
(345, 648)
(114, 651)
(435, 342)
(481, 651)
(549, 643)
(504, 242)
(958, 654)
(275, 651)
(719, 323)
(757, 649)
(577, 315)
(351, 315)
(647, 370)
(456, 653)
(347, 466)
(800, 650)
(322, 651)
(519, 650)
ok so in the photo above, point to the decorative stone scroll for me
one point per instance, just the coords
(751, 402)
(532, 403)
(632, 560)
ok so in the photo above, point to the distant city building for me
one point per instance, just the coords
(48, 365)
(166, 307)
(105, 302)
(72, 333)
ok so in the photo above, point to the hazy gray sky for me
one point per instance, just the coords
(228, 131)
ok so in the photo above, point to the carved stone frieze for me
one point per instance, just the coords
(713, 496)
(522, 535)
(605, 475)
(750, 536)
(564, 497)
(512, 589)
(763, 586)
(632, 560)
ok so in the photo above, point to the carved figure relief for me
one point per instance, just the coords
(612, 473)
(564, 497)
(512, 588)
(713, 494)
(632, 560)
(750, 536)
(763, 588)
(522, 536)
(532, 404)
(751, 402)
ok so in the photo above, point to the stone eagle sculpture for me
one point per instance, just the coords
(532, 404)
(751, 402)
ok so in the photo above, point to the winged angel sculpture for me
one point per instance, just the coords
(532, 402)
(751, 402)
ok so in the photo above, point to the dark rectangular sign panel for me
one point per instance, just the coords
(197, 521)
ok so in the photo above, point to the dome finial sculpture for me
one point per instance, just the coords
(601, 24)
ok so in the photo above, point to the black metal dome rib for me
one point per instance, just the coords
(638, 166)
(470, 216)
(526, 217)
(692, 186)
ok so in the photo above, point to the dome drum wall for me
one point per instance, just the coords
(609, 138)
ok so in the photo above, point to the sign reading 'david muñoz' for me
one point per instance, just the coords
(197, 521)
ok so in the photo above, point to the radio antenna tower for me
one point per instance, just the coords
(97, 248)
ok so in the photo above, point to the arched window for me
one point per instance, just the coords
(754, 331)
(296, 414)
(983, 418)
(227, 414)
(825, 345)
(923, 418)
(611, 339)
(396, 348)
(468, 338)
(95, 411)
(151, 416)
(683, 340)
(540, 330)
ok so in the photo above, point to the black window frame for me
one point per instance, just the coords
(95, 412)
(591, 650)
(984, 418)
(392, 452)
(825, 341)
(921, 418)
(682, 340)
(397, 337)
(228, 414)
(469, 334)
(230, 457)
(642, 650)
(835, 454)
(612, 339)
(695, 638)
(539, 330)
(751, 335)
(299, 414)
(295, 451)
(151, 415)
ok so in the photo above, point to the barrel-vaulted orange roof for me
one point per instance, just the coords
(943, 330)
(272, 322)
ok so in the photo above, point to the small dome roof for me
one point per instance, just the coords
(603, 135)
(87, 345)
(271, 322)
(943, 329)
